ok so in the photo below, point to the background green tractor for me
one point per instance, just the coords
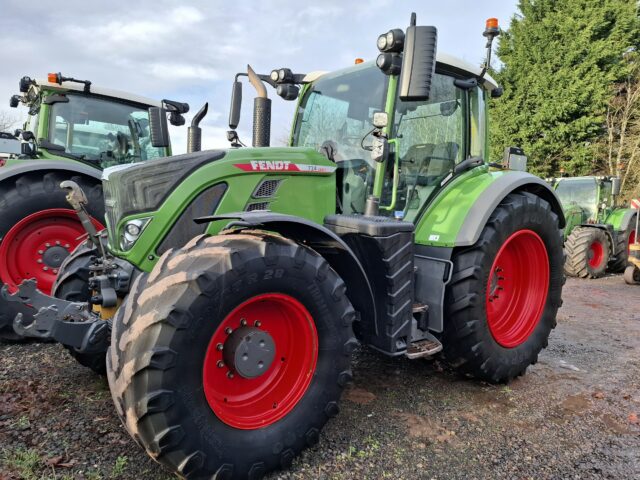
(248, 276)
(73, 131)
(599, 231)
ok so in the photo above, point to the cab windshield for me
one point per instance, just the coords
(578, 192)
(104, 131)
(427, 139)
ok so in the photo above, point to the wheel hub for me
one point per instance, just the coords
(53, 256)
(249, 352)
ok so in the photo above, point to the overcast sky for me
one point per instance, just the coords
(189, 51)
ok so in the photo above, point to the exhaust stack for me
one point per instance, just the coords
(194, 133)
(261, 111)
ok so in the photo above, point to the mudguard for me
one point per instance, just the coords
(26, 166)
(495, 192)
(620, 218)
(317, 237)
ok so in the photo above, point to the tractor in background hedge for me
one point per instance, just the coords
(598, 231)
(243, 279)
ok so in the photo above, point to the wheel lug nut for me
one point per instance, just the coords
(229, 374)
(219, 347)
(45, 268)
(220, 364)
(47, 245)
(39, 260)
(228, 330)
(57, 242)
(55, 271)
(40, 252)
(258, 323)
(243, 322)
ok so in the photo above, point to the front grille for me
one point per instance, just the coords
(142, 187)
(266, 189)
(257, 206)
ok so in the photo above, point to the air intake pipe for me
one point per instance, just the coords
(261, 111)
(194, 132)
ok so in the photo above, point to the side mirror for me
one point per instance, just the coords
(25, 83)
(418, 63)
(514, 159)
(615, 186)
(236, 104)
(158, 127)
(14, 101)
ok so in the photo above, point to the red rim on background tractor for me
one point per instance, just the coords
(517, 288)
(595, 255)
(289, 353)
(36, 246)
(632, 240)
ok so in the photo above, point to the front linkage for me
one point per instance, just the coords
(82, 326)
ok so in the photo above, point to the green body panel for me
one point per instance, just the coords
(444, 216)
(303, 194)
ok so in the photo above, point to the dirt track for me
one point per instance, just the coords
(574, 415)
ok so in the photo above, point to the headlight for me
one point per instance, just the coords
(131, 231)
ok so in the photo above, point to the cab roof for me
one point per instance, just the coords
(105, 92)
(443, 60)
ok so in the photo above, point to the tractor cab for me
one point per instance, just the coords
(427, 138)
(72, 119)
(587, 200)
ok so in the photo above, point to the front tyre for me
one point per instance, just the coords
(230, 356)
(505, 291)
(588, 250)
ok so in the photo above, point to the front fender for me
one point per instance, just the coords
(21, 167)
(319, 238)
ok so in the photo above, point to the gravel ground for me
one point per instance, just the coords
(574, 415)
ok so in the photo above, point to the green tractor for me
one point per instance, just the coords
(244, 279)
(598, 231)
(74, 131)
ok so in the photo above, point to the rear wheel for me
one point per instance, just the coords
(38, 230)
(72, 285)
(505, 291)
(625, 238)
(588, 250)
(229, 357)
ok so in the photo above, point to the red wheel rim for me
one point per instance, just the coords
(595, 254)
(517, 288)
(36, 246)
(251, 403)
(632, 240)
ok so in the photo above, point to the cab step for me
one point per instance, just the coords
(424, 348)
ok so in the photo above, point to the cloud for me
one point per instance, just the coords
(191, 51)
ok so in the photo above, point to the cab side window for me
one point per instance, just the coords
(430, 141)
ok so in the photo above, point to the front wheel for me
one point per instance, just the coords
(229, 357)
(588, 251)
(505, 291)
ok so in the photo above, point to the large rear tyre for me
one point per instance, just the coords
(38, 230)
(505, 291)
(230, 356)
(625, 238)
(72, 285)
(588, 250)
